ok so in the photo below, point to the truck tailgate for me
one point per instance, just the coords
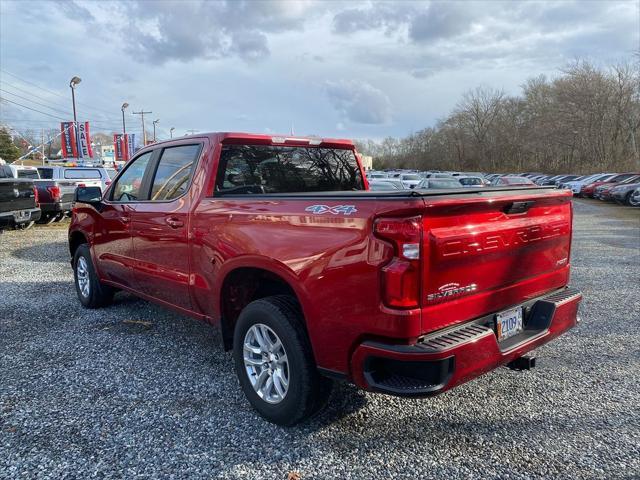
(16, 194)
(486, 253)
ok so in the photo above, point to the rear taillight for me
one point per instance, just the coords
(55, 192)
(107, 182)
(82, 185)
(35, 196)
(401, 276)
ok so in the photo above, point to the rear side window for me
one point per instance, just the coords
(28, 174)
(174, 171)
(82, 173)
(46, 173)
(275, 169)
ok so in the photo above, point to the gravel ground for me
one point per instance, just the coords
(93, 394)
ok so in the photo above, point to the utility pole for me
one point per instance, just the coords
(154, 129)
(42, 147)
(171, 132)
(142, 113)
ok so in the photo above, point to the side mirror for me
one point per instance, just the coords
(90, 195)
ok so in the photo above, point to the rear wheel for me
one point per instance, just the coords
(275, 363)
(91, 292)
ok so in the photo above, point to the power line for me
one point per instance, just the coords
(33, 101)
(52, 92)
(5, 84)
(33, 109)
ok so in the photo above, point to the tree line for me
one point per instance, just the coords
(585, 120)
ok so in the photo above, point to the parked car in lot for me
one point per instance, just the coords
(603, 192)
(311, 278)
(576, 185)
(85, 176)
(589, 189)
(512, 181)
(622, 192)
(410, 180)
(18, 200)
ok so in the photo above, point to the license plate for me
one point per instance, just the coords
(21, 216)
(509, 323)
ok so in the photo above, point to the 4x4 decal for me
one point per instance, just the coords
(336, 210)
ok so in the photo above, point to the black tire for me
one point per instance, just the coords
(627, 199)
(308, 391)
(99, 294)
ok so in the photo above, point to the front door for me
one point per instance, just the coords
(160, 227)
(113, 245)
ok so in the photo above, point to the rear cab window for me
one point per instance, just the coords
(46, 173)
(266, 169)
(82, 174)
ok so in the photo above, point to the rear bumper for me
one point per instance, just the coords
(447, 358)
(8, 219)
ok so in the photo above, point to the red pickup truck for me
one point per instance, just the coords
(311, 277)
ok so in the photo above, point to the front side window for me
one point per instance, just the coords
(174, 172)
(127, 188)
(275, 169)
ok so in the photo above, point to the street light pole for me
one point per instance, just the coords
(171, 132)
(154, 129)
(72, 84)
(124, 127)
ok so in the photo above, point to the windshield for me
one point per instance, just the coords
(444, 183)
(470, 181)
(411, 177)
(515, 181)
(376, 186)
(256, 169)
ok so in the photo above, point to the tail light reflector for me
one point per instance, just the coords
(35, 196)
(55, 192)
(401, 276)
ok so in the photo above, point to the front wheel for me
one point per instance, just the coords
(91, 292)
(275, 363)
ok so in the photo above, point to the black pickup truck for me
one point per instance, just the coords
(18, 201)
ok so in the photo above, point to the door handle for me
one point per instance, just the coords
(125, 219)
(174, 222)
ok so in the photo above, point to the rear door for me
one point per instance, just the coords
(485, 254)
(160, 226)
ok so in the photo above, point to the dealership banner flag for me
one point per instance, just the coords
(68, 137)
(120, 147)
(85, 140)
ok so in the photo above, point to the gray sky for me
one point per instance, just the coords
(341, 69)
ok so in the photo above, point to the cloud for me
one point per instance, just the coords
(440, 21)
(386, 16)
(359, 102)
